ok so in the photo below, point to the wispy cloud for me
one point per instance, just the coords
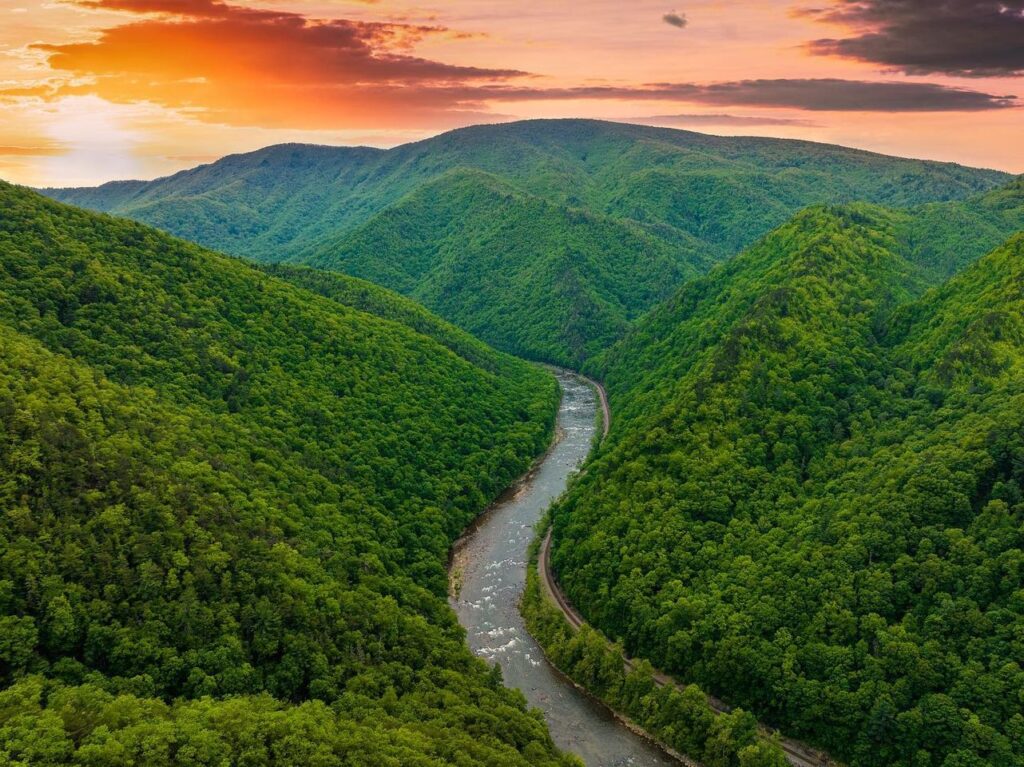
(244, 65)
(692, 120)
(818, 95)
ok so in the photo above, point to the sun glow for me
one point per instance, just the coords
(139, 87)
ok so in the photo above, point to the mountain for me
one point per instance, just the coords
(811, 502)
(945, 237)
(572, 227)
(227, 505)
(535, 279)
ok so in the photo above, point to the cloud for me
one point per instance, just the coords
(252, 66)
(967, 38)
(715, 119)
(818, 95)
(675, 19)
(242, 66)
(47, 149)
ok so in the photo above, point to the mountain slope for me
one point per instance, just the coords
(227, 506)
(533, 278)
(554, 197)
(810, 501)
(945, 237)
(297, 194)
(371, 298)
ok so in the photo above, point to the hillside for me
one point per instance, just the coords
(369, 297)
(227, 508)
(552, 196)
(945, 237)
(810, 502)
(530, 277)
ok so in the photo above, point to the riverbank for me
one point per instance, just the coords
(678, 718)
(487, 579)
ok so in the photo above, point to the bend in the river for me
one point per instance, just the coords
(489, 570)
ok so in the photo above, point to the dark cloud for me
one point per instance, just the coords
(715, 119)
(971, 38)
(819, 95)
(675, 19)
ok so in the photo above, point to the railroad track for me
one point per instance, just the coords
(797, 753)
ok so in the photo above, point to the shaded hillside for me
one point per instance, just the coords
(945, 237)
(227, 508)
(810, 502)
(369, 297)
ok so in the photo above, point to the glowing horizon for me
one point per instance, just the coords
(143, 88)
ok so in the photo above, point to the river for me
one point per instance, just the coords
(490, 562)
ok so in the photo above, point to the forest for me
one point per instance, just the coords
(227, 504)
(810, 503)
(229, 487)
(679, 718)
(544, 238)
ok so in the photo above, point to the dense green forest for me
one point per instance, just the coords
(226, 508)
(369, 297)
(544, 238)
(531, 277)
(811, 499)
(679, 718)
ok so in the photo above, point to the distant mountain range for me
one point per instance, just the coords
(545, 238)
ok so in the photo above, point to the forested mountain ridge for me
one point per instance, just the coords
(296, 194)
(372, 298)
(810, 502)
(933, 242)
(227, 506)
(945, 237)
(536, 279)
(574, 187)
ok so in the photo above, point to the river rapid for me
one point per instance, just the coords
(489, 564)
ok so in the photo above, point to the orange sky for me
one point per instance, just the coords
(92, 90)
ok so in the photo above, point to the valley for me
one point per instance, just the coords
(544, 238)
(261, 424)
(489, 571)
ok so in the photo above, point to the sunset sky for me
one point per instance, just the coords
(92, 90)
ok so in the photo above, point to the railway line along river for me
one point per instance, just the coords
(489, 573)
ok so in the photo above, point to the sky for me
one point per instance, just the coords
(95, 90)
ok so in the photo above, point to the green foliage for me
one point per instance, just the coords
(371, 298)
(45, 723)
(945, 237)
(811, 499)
(537, 279)
(679, 718)
(225, 508)
(545, 238)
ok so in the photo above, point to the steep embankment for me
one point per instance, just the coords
(227, 507)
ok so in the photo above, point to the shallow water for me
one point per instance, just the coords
(492, 562)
